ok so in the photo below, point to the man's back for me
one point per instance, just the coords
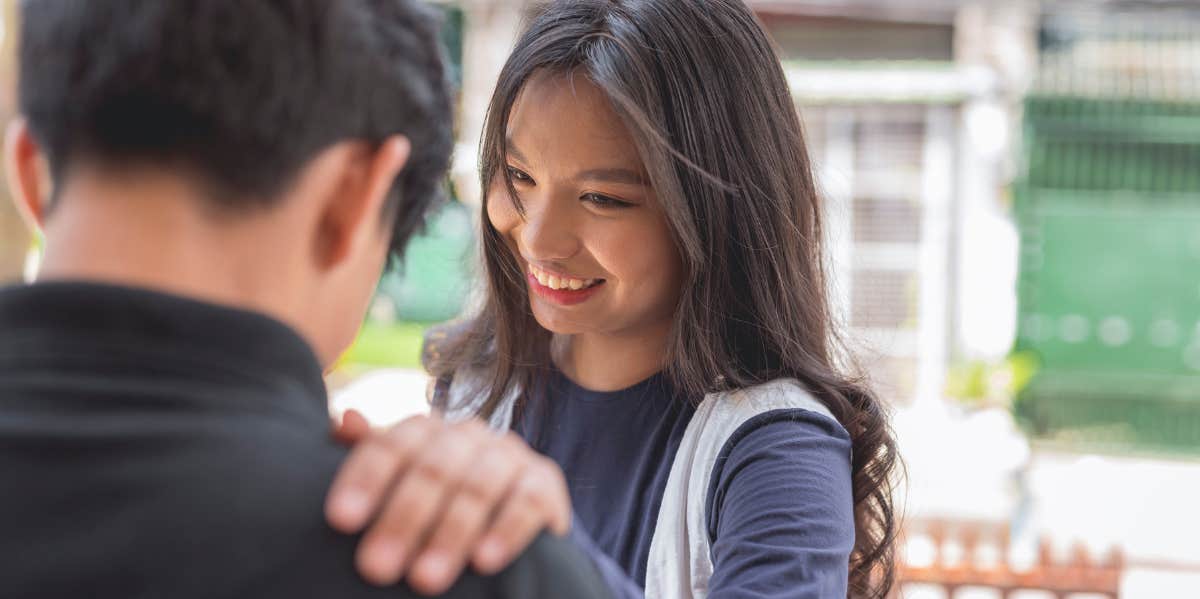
(154, 446)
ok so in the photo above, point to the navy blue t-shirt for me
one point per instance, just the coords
(779, 508)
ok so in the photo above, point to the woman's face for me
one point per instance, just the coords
(594, 245)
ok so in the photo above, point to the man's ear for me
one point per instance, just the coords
(28, 182)
(349, 220)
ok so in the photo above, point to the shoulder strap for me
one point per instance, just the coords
(464, 396)
(680, 563)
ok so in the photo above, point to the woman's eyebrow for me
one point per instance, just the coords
(511, 148)
(606, 175)
(613, 175)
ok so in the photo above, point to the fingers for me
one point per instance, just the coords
(538, 499)
(485, 486)
(442, 496)
(352, 428)
(416, 506)
(364, 480)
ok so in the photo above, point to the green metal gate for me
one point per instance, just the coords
(1109, 290)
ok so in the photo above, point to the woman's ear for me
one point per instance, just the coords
(28, 182)
(350, 219)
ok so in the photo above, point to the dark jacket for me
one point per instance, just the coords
(155, 446)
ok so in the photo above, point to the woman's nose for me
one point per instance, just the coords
(547, 233)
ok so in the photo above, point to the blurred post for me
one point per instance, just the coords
(1000, 37)
(14, 237)
(490, 32)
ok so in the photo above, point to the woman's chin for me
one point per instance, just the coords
(553, 320)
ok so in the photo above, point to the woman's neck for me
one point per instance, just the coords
(603, 362)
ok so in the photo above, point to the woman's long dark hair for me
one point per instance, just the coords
(701, 90)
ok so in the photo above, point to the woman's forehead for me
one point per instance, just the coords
(567, 117)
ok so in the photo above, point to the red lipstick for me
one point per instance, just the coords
(565, 297)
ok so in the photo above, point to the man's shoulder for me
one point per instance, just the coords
(225, 498)
(253, 497)
(550, 568)
(294, 473)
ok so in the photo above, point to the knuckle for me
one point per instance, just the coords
(432, 469)
(408, 513)
(476, 491)
(453, 531)
(506, 524)
(368, 463)
(491, 475)
(548, 473)
(531, 492)
(522, 521)
(472, 507)
(460, 527)
(395, 523)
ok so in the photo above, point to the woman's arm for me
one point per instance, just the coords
(780, 509)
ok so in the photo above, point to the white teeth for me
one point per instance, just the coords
(554, 282)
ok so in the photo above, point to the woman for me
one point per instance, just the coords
(656, 319)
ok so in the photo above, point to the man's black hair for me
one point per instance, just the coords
(241, 93)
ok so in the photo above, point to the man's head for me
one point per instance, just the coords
(304, 138)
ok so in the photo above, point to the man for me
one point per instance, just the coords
(219, 183)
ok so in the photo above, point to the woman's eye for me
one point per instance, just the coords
(518, 175)
(602, 201)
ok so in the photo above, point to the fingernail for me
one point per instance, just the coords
(434, 568)
(352, 505)
(385, 561)
(490, 553)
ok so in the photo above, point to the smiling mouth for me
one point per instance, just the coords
(561, 283)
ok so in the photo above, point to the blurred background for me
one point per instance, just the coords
(1013, 198)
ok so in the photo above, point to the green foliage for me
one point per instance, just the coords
(396, 345)
(978, 382)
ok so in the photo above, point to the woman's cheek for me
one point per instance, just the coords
(502, 213)
(643, 254)
(666, 267)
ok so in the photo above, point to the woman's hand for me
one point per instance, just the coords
(435, 497)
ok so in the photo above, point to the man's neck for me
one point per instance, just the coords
(158, 234)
